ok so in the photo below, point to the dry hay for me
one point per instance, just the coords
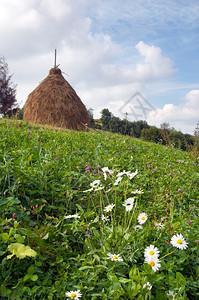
(55, 102)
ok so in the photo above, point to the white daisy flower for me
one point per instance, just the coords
(130, 200)
(137, 192)
(98, 188)
(74, 295)
(159, 225)
(72, 217)
(109, 207)
(95, 183)
(117, 180)
(106, 169)
(128, 206)
(148, 286)
(122, 173)
(171, 294)
(142, 218)
(154, 263)
(178, 241)
(137, 227)
(104, 218)
(131, 175)
(114, 257)
(128, 203)
(151, 252)
(127, 173)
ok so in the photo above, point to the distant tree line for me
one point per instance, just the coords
(165, 135)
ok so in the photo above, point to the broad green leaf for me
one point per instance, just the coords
(26, 277)
(21, 251)
(19, 238)
(5, 236)
(38, 263)
(34, 277)
(180, 279)
(31, 270)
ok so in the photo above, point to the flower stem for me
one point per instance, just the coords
(168, 254)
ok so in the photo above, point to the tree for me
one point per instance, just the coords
(138, 126)
(152, 134)
(8, 102)
(106, 116)
(20, 113)
(92, 121)
(166, 127)
(196, 131)
(116, 125)
(177, 139)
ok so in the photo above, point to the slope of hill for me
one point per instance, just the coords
(95, 216)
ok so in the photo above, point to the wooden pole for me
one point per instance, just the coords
(55, 58)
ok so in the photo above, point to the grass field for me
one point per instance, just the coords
(96, 216)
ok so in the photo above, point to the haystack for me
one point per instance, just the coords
(55, 102)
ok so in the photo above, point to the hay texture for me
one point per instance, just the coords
(54, 102)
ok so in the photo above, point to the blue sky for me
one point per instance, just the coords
(110, 49)
(173, 26)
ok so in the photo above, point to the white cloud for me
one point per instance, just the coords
(193, 99)
(182, 117)
(112, 97)
(56, 9)
(155, 65)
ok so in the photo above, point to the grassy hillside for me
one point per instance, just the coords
(78, 212)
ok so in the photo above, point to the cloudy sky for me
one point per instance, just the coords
(138, 58)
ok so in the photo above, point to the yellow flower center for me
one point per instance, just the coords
(152, 264)
(109, 207)
(114, 257)
(151, 252)
(143, 218)
(73, 295)
(179, 241)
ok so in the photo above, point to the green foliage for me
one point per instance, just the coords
(20, 113)
(116, 125)
(54, 193)
(7, 91)
(106, 116)
(20, 250)
(152, 134)
(92, 121)
(165, 135)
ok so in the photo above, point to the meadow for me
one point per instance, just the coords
(96, 215)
